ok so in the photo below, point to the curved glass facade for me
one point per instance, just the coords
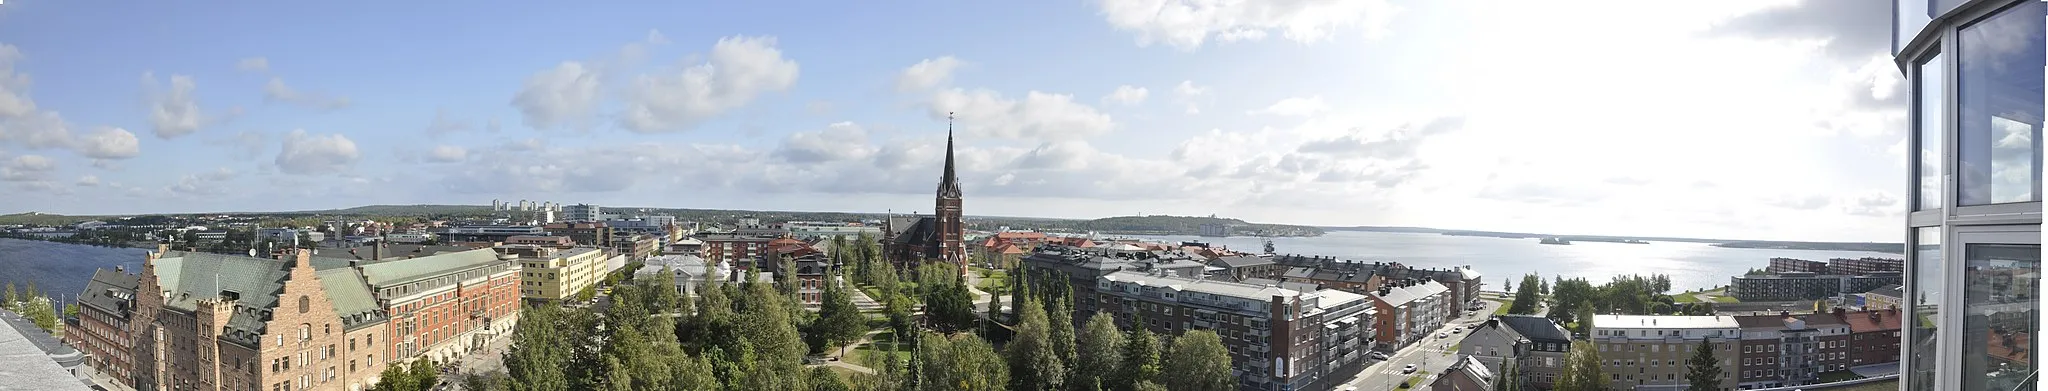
(1974, 226)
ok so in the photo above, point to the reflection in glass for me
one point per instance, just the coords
(2000, 96)
(2002, 313)
(1926, 291)
(1929, 133)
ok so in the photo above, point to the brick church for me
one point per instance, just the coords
(912, 240)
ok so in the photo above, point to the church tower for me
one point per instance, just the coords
(952, 232)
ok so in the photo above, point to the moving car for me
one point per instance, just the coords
(1378, 356)
(1408, 369)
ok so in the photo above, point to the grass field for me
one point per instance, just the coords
(870, 355)
(1503, 310)
(1684, 298)
(1726, 299)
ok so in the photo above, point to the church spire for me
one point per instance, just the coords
(949, 184)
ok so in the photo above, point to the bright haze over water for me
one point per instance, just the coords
(1690, 265)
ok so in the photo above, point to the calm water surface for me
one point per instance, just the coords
(1690, 265)
(60, 268)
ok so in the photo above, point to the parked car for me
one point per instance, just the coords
(1408, 369)
(1378, 356)
(1442, 335)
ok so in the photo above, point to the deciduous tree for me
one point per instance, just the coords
(1199, 363)
(1034, 365)
(1098, 354)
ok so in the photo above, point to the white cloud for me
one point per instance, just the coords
(444, 124)
(740, 69)
(1039, 115)
(277, 91)
(37, 130)
(1187, 24)
(109, 143)
(88, 181)
(205, 184)
(448, 154)
(309, 154)
(14, 100)
(1127, 95)
(253, 64)
(927, 74)
(558, 97)
(837, 142)
(1191, 95)
(27, 168)
(176, 112)
(1294, 107)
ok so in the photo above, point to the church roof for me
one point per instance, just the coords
(949, 184)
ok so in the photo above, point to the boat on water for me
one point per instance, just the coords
(1555, 240)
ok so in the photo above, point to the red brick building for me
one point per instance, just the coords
(101, 329)
(1873, 337)
(740, 250)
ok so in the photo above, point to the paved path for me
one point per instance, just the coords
(840, 354)
(861, 299)
(1431, 355)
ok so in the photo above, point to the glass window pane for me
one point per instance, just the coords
(1929, 132)
(1926, 291)
(2002, 314)
(2000, 98)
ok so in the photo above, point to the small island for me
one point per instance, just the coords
(1555, 240)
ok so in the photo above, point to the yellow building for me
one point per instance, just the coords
(554, 274)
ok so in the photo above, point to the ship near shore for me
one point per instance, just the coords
(1555, 240)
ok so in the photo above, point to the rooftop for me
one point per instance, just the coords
(1221, 288)
(27, 364)
(1664, 322)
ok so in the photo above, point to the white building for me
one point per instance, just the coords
(582, 213)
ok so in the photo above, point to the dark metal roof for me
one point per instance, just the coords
(1535, 328)
(109, 291)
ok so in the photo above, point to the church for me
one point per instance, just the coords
(941, 236)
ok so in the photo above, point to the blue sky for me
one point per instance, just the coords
(1576, 116)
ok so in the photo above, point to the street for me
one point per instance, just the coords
(1430, 355)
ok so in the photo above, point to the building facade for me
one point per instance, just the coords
(212, 321)
(1535, 346)
(1276, 336)
(1806, 286)
(739, 250)
(1650, 352)
(1973, 228)
(441, 305)
(1795, 265)
(1865, 265)
(551, 275)
(102, 327)
(1409, 311)
(1796, 349)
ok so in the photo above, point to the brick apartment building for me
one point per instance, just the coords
(297, 322)
(584, 233)
(1279, 339)
(101, 329)
(1865, 265)
(1795, 265)
(1757, 351)
(739, 250)
(1783, 350)
(1806, 286)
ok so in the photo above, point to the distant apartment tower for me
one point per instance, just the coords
(582, 213)
(1865, 265)
(1215, 230)
(1806, 286)
(1795, 265)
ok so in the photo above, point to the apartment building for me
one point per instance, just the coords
(1865, 265)
(1806, 286)
(582, 213)
(1874, 336)
(588, 233)
(1795, 265)
(1465, 374)
(635, 246)
(102, 329)
(1535, 345)
(1279, 339)
(1463, 283)
(488, 233)
(1646, 353)
(740, 250)
(551, 275)
(1781, 350)
(541, 240)
(1409, 311)
(1241, 267)
(439, 305)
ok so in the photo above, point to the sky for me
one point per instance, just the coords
(1750, 119)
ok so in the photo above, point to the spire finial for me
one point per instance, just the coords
(949, 126)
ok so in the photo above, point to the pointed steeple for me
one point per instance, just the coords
(949, 184)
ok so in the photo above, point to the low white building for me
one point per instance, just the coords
(686, 272)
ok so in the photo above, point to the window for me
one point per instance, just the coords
(1999, 101)
(1929, 133)
(2002, 310)
(1927, 285)
(305, 304)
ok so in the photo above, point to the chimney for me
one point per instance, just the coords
(377, 252)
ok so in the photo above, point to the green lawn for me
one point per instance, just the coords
(997, 283)
(1685, 298)
(1726, 299)
(1503, 310)
(870, 355)
(1415, 381)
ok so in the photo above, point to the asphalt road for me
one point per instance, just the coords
(1431, 355)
